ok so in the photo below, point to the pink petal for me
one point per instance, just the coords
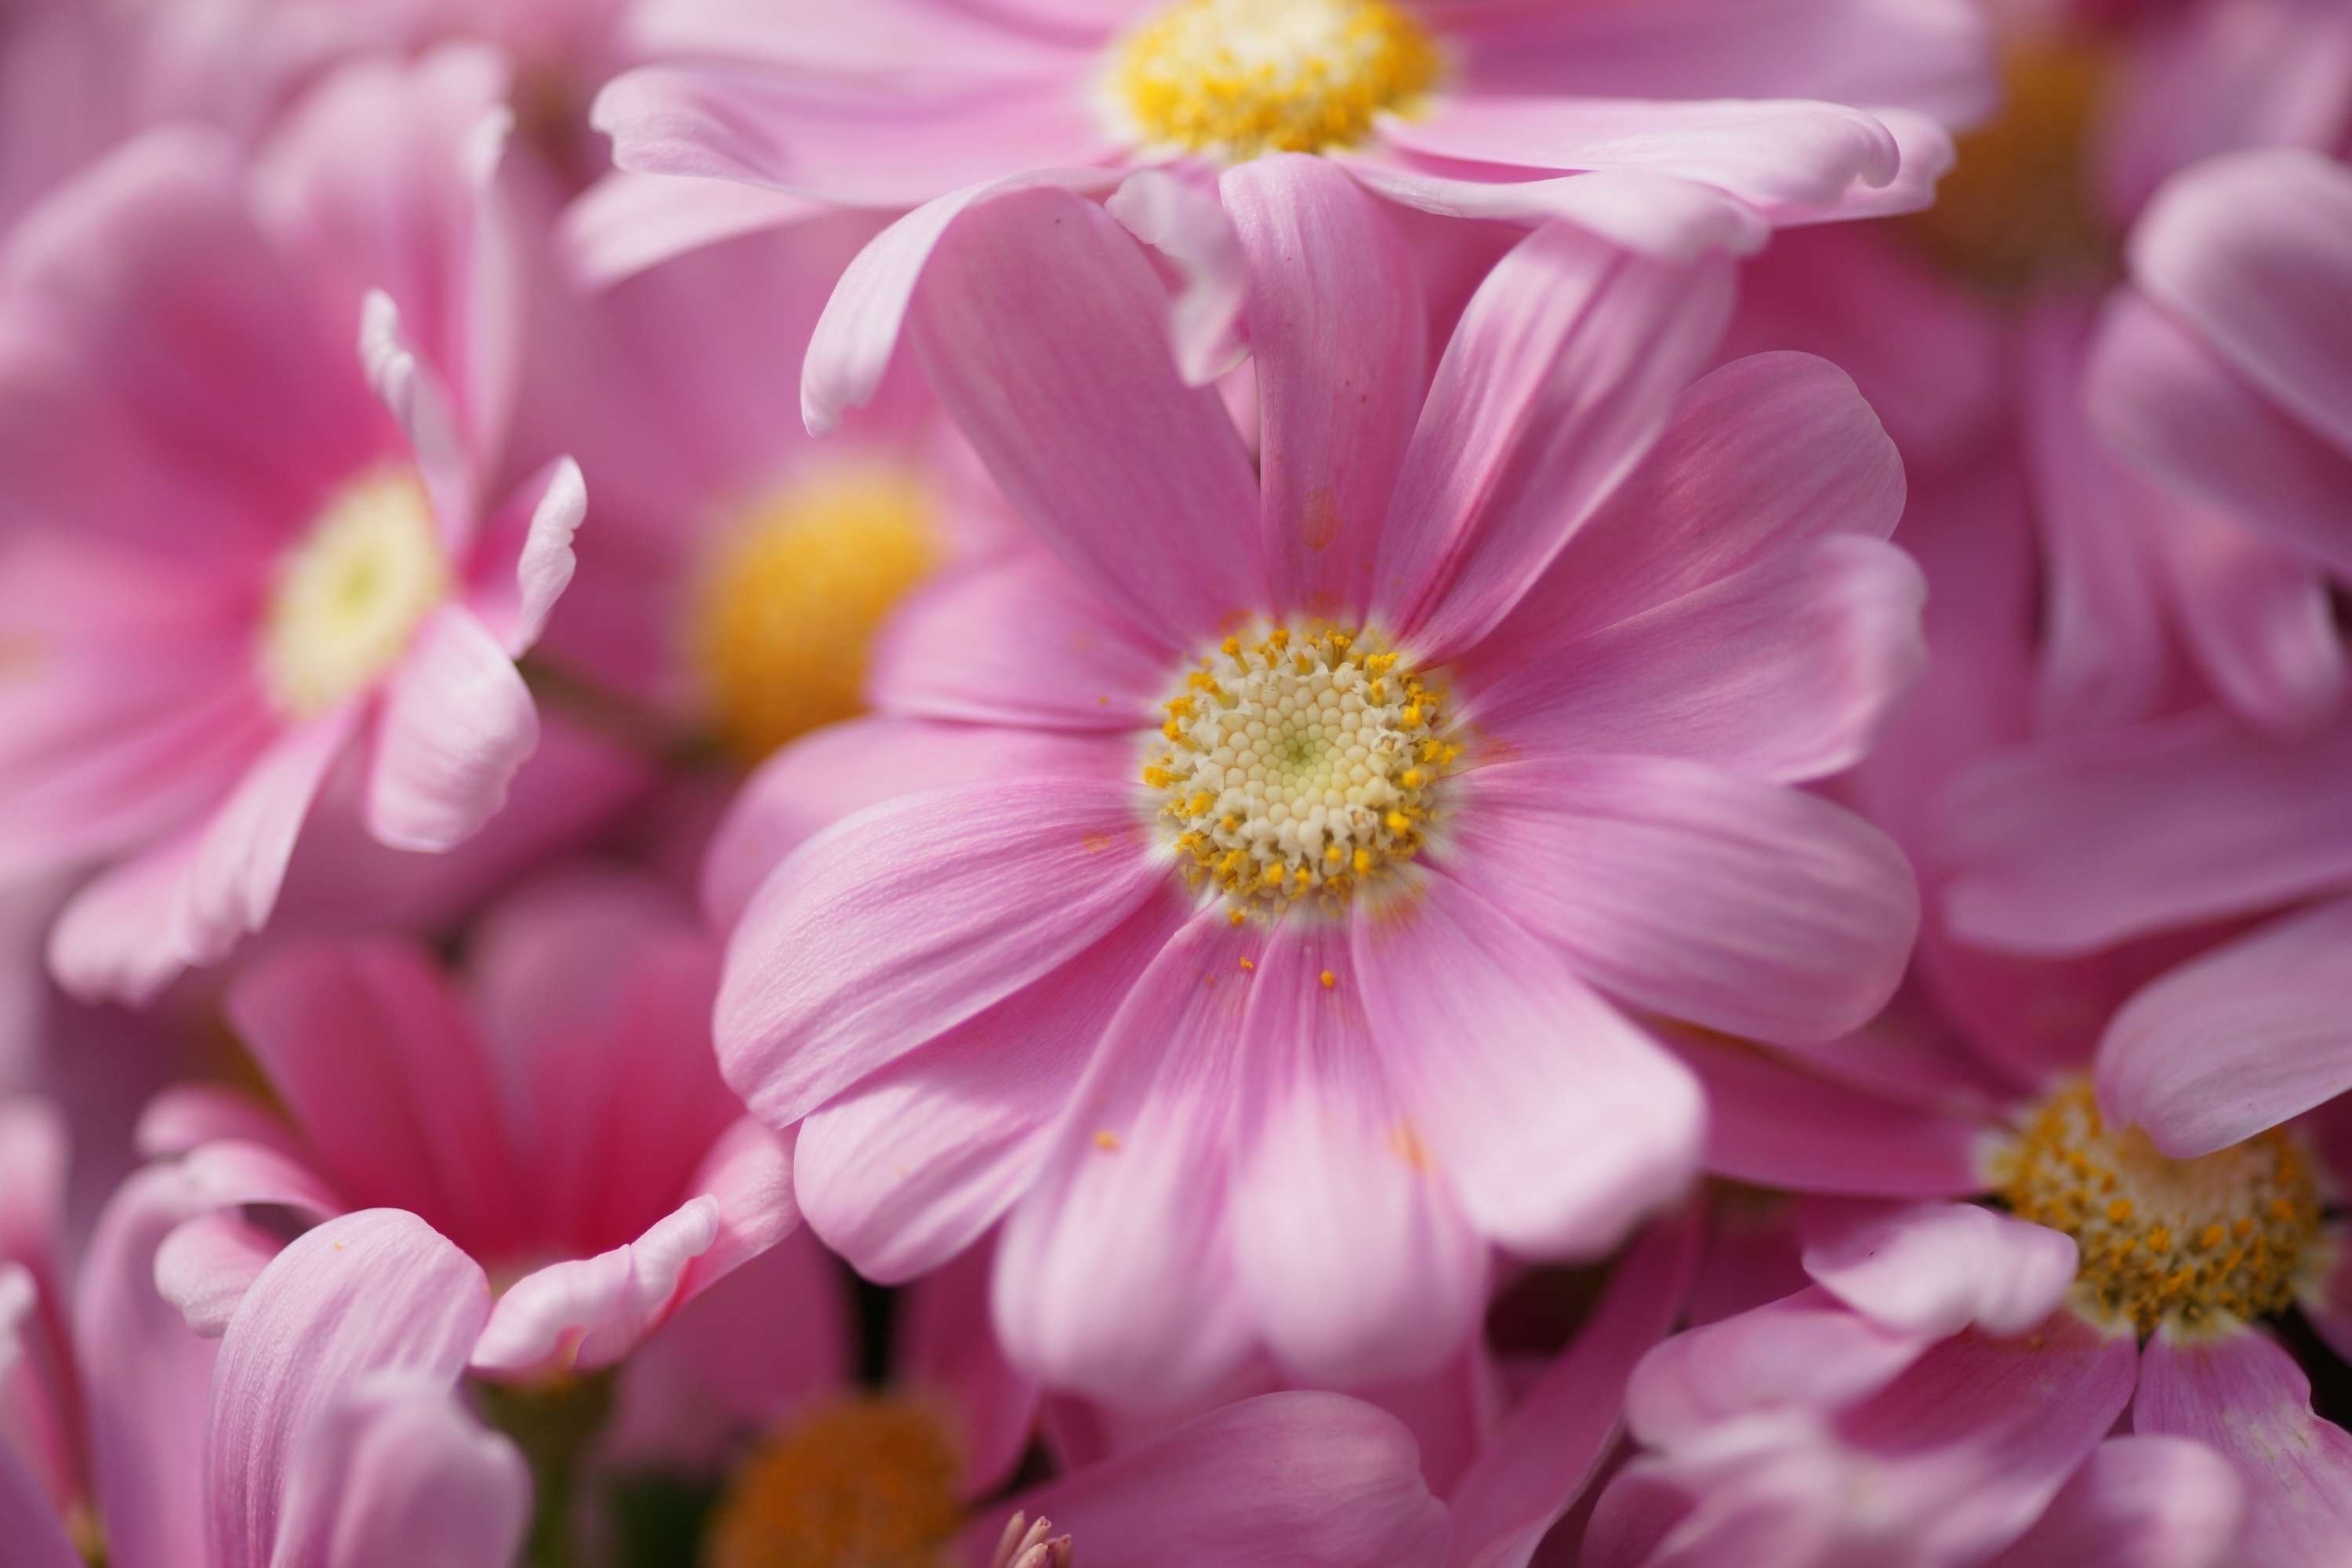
(1019, 641)
(846, 767)
(1043, 329)
(367, 1293)
(856, 37)
(1936, 1268)
(1354, 1254)
(524, 561)
(1114, 1276)
(375, 1061)
(626, 223)
(1746, 907)
(1807, 1352)
(1663, 217)
(1283, 1478)
(1553, 1445)
(187, 1115)
(413, 391)
(2279, 998)
(586, 1313)
(1559, 377)
(947, 1347)
(857, 337)
(1183, 219)
(2138, 1502)
(1786, 670)
(1337, 332)
(2075, 842)
(457, 722)
(2240, 1394)
(892, 926)
(2256, 616)
(1557, 1124)
(401, 1472)
(1756, 458)
(908, 1168)
(1774, 1124)
(29, 1521)
(206, 1267)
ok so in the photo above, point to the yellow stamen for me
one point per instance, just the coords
(871, 1482)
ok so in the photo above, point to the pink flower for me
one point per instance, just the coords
(1250, 1068)
(1672, 129)
(564, 1129)
(237, 547)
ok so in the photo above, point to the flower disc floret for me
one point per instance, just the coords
(1235, 79)
(2192, 1244)
(350, 595)
(1299, 765)
(870, 1482)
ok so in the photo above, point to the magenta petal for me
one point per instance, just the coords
(1751, 908)
(1290, 1478)
(1043, 330)
(1115, 1274)
(28, 1522)
(1561, 375)
(363, 1294)
(2139, 1502)
(399, 1472)
(1553, 1445)
(1936, 1268)
(1353, 1251)
(892, 926)
(457, 723)
(2239, 1393)
(2283, 999)
(1556, 1121)
(1339, 334)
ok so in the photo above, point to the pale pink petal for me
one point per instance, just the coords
(1936, 1268)
(1561, 375)
(587, 1313)
(625, 224)
(749, 1174)
(1115, 1274)
(413, 391)
(1184, 220)
(2138, 1502)
(908, 1166)
(1756, 458)
(1564, 1426)
(1774, 1124)
(189, 1114)
(457, 723)
(1019, 641)
(375, 1061)
(227, 1174)
(857, 336)
(1807, 1352)
(523, 561)
(846, 767)
(398, 1472)
(1786, 670)
(1557, 1123)
(1284, 1478)
(366, 1293)
(947, 1348)
(1355, 1254)
(892, 926)
(1660, 217)
(858, 38)
(2257, 617)
(2239, 1393)
(2076, 842)
(1339, 334)
(1042, 327)
(2281, 999)
(116, 937)
(206, 1267)
(2167, 400)
(1751, 908)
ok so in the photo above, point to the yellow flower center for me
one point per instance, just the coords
(1299, 765)
(866, 1481)
(2192, 1243)
(2018, 206)
(1235, 79)
(350, 595)
(787, 608)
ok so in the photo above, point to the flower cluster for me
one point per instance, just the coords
(1350, 784)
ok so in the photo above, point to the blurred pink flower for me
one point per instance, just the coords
(238, 544)
(566, 1128)
(1245, 1075)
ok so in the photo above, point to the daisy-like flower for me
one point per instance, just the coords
(1271, 848)
(1670, 128)
(247, 527)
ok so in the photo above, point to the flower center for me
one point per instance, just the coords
(1299, 765)
(788, 605)
(1237, 78)
(348, 598)
(870, 1482)
(2231, 1235)
(2019, 207)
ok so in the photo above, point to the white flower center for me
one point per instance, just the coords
(350, 595)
